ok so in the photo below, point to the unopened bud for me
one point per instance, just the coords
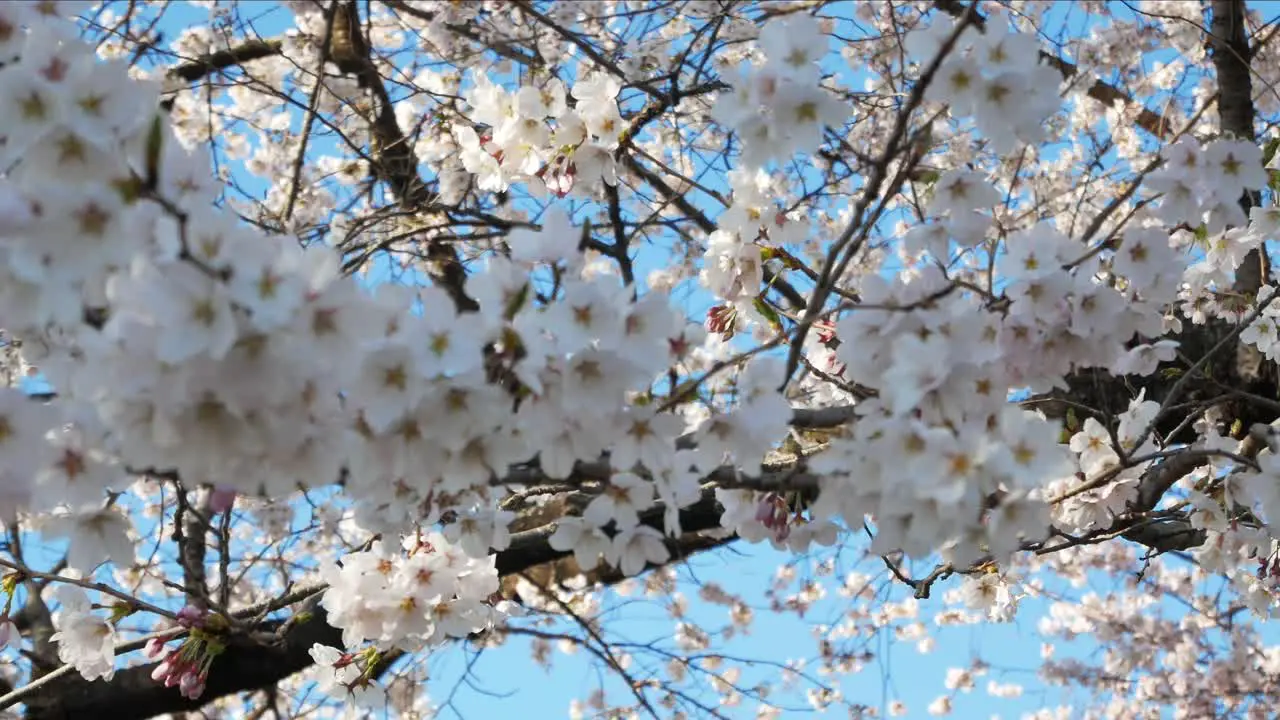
(221, 500)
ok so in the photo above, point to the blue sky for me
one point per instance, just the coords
(899, 671)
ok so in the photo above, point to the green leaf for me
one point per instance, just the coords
(155, 141)
(517, 302)
(769, 314)
(1269, 150)
(129, 188)
(121, 610)
(927, 177)
(10, 581)
(1268, 154)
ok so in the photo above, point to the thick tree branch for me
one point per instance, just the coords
(246, 667)
(395, 162)
(220, 60)
(189, 529)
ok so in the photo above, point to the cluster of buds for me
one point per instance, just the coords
(722, 320)
(1269, 571)
(187, 667)
(826, 333)
(558, 175)
(774, 513)
(355, 671)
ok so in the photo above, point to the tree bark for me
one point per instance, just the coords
(1229, 46)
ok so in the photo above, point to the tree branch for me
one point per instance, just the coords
(205, 65)
(246, 666)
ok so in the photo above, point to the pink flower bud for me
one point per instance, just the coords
(783, 532)
(221, 500)
(191, 616)
(8, 632)
(188, 680)
(154, 648)
(161, 672)
(764, 512)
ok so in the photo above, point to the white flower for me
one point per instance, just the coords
(479, 530)
(624, 496)
(1208, 514)
(635, 547)
(1233, 166)
(331, 679)
(389, 384)
(646, 438)
(87, 642)
(1093, 444)
(957, 83)
(587, 541)
(960, 191)
(105, 104)
(596, 89)
(77, 471)
(988, 592)
(556, 242)
(1028, 451)
(267, 284)
(1144, 359)
(795, 42)
(96, 536)
(193, 310)
(478, 160)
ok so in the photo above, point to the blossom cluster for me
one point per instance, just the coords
(218, 353)
(187, 666)
(419, 598)
(754, 227)
(993, 74)
(1202, 184)
(183, 341)
(780, 107)
(516, 144)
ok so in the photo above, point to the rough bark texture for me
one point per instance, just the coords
(247, 51)
(1229, 45)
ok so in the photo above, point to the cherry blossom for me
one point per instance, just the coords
(583, 297)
